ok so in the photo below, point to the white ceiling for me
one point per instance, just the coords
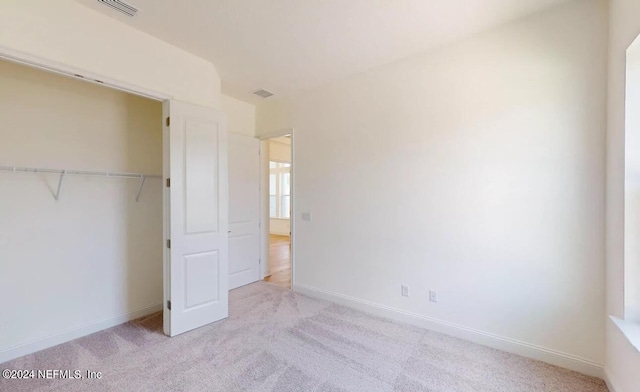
(286, 46)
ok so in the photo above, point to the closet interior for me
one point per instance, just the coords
(81, 206)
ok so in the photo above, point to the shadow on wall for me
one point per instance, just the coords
(144, 219)
(632, 186)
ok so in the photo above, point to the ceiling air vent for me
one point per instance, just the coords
(262, 93)
(121, 6)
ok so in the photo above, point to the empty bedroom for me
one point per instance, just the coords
(346, 195)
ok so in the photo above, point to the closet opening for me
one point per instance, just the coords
(81, 227)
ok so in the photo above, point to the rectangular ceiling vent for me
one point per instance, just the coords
(121, 6)
(262, 93)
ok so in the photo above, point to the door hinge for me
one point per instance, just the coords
(168, 305)
(169, 244)
(168, 121)
(168, 183)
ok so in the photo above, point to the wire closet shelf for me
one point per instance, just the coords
(140, 176)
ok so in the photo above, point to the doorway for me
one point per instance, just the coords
(279, 194)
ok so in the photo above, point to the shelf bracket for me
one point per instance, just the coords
(60, 184)
(143, 178)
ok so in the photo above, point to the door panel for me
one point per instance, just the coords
(201, 188)
(244, 210)
(201, 272)
(196, 203)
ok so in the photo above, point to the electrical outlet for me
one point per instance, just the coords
(405, 290)
(433, 296)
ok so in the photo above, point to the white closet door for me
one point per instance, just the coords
(244, 210)
(196, 220)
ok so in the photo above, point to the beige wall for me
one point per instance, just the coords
(278, 151)
(273, 116)
(280, 226)
(622, 360)
(94, 257)
(241, 116)
(68, 34)
(476, 170)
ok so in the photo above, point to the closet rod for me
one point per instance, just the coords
(63, 173)
(78, 172)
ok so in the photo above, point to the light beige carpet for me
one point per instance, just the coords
(275, 340)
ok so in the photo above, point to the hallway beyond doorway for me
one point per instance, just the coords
(279, 260)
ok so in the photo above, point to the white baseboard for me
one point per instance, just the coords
(554, 357)
(610, 384)
(19, 350)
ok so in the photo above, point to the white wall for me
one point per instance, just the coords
(70, 34)
(280, 226)
(476, 170)
(241, 116)
(632, 187)
(93, 257)
(622, 360)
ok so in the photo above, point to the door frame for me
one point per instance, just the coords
(264, 199)
(79, 74)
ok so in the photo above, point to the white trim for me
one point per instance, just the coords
(278, 133)
(554, 357)
(279, 171)
(265, 221)
(75, 333)
(75, 73)
(292, 214)
(630, 329)
(609, 382)
(279, 160)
